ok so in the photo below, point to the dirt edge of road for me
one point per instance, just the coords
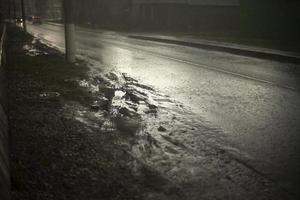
(54, 153)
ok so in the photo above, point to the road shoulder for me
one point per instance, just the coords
(63, 145)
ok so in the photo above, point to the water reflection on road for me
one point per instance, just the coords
(226, 117)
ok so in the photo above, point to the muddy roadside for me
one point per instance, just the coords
(77, 133)
(66, 139)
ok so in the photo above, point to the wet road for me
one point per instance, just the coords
(252, 104)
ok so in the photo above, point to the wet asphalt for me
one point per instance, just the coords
(208, 102)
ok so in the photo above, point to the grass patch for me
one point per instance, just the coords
(53, 71)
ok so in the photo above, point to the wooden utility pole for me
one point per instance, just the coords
(14, 7)
(69, 11)
(9, 10)
(23, 16)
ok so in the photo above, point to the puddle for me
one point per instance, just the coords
(87, 84)
(119, 94)
(32, 51)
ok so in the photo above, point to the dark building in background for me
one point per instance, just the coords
(54, 11)
(49, 9)
(104, 13)
(273, 19)
(277, 19)
(197, 15)
(5, 9)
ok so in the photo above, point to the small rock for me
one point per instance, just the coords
(152, 106)
(162, 129)
(49, 95)
(95, 106)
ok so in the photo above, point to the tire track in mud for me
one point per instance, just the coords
(181, 155)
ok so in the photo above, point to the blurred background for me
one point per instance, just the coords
(275, 19)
